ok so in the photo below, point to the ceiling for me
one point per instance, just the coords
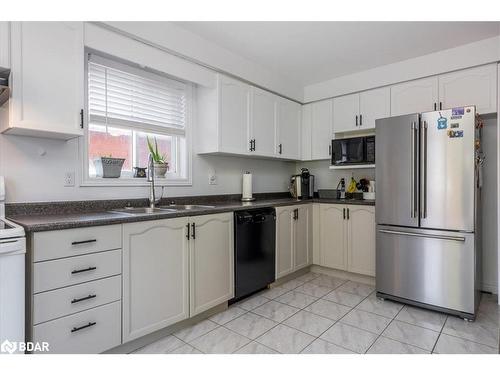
(310, 52)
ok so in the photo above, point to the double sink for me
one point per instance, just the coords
(162, 209)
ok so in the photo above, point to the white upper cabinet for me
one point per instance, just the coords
(4, 45)
(321, 129)
(346, 113)
(359, 111)
(47, 79)
(306, 133)
(288, 117)
(373, 104)
(476, 86)
(262, 115)
(234, 116)
(416, 96)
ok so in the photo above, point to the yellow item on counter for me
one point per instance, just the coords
(352, 186)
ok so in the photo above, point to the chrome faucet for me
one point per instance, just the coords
(151, 178)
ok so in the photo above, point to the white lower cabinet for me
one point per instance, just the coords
(88, 332)
(332, 236)
(211, 271)
(284, 247)
(155, 276)
(361, 240)
(293, 238)
(174, 269)
(347, 238)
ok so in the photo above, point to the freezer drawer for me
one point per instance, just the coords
(427, 266)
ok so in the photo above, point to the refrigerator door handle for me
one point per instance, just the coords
(423, 187)
(411, 234)
(413, 212)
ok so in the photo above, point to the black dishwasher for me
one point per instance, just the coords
(254, 250)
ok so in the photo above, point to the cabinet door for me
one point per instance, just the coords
(476, 86)
(263, 122)
(4, 45)
(284, 241)
(234, 116)
(420, 95)
(211, 261)
(374, 104)
(346, 113)
(321, 130)
(47, 77)
(361, 240)
(155, 276)
(302, 237)
(333, 249)
(306, 133)
(288, 129)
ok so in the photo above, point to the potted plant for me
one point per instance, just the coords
(159, 160)
(108, 166)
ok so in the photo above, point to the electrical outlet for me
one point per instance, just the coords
(69, 179)
(212, 179)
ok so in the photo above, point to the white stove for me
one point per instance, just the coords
(12, 260)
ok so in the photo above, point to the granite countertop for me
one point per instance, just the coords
(38, 220)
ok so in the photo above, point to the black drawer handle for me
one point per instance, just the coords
(83, 242)
(90, 296)
(84, 270)
(90, 324)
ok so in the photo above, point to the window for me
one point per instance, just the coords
(127, 105)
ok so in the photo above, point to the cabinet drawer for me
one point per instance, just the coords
(78, 241)
(73, 299)
(91, 331)
(75, 270)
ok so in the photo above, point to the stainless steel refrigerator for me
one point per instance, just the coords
(427, 210)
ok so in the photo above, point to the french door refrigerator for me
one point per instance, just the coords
(427, 210)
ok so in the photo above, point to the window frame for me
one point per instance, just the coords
(87, 180)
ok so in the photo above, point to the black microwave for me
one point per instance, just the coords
(359, 150)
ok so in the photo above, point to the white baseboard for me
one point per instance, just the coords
(344, 274)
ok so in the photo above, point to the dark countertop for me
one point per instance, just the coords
(39, 222)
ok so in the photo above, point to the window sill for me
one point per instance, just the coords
(126, 182)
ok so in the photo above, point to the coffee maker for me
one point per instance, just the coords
(302, 185)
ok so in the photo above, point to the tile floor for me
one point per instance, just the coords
(320, 314)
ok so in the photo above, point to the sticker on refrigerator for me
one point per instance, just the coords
(442, 122)
(455, 133)
(457, 111)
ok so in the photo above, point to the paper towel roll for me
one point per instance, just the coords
(247, 186)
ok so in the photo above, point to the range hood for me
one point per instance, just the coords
(4, 86)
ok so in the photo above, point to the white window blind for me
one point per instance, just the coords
(121, 95)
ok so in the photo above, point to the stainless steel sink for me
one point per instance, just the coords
(142, 210)
(186, 207)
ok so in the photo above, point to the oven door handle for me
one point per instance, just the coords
(8, 246)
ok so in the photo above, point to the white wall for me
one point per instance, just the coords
(489, 207)
(31, 177)
(328, 179)
(483, 52)
(184, 42)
